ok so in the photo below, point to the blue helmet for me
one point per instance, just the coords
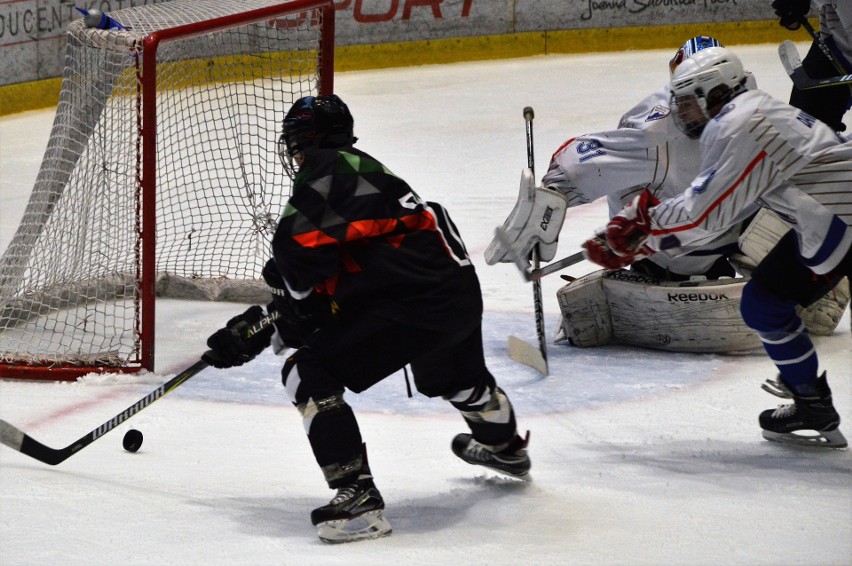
(690, 48)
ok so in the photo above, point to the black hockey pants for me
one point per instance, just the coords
(827, 104)
(357, 350)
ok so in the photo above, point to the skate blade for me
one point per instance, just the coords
(523, 476)
(371, 524)
(820, 439)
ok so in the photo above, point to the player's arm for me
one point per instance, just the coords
(582, 170)
(732, 179)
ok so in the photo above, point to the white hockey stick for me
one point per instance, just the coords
(793, 65)
(527, 354)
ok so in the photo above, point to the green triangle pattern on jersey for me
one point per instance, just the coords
(350, 163)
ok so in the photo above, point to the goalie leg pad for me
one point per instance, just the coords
(823, 316)
(628, 308)
(690, 316)
(761, 235)
(586, 319)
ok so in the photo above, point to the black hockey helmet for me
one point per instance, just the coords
(316, 121)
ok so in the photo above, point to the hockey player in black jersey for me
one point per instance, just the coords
(828, 104)
(369, 278)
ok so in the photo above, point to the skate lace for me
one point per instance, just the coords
(483, 453)
(345, 493)
(478, 451)
(784, 411)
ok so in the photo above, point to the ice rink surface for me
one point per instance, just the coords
(639, 457)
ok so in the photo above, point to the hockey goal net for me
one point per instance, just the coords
(160, 177)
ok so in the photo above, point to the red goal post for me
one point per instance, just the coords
(160, 177)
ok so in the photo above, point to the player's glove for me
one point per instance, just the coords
(299, 318)
(791, 12)
(232, 346)
(597, 250)
(623, 241)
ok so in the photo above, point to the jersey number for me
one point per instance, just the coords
(589, 150)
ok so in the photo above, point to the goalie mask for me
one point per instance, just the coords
(702, 85)
(314, 122)
(690, 48)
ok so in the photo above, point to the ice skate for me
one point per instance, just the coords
(813, 413)
(355, 513)
(511, 459)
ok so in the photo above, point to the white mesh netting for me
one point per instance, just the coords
(70, 281)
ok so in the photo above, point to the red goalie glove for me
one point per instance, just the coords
(623, 240)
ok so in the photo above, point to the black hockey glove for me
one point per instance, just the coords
(791, 12)
(231, 347)
(299, 318)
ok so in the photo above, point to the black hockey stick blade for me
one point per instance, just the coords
(793, 66)
(18, 440)
(523, 265)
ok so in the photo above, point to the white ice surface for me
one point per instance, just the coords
(639, 457)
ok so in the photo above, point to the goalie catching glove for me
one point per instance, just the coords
(622, 242)
(231, 346)
(535, 220)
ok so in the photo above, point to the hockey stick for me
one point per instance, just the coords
(823, 46)
(793, 65)
(537, 301)
(16, 439)
(528, 273)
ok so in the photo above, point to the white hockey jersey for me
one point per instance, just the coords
(762, 152)
(646, 151)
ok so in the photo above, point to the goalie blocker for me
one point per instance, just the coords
(535, 220)
(691, 316)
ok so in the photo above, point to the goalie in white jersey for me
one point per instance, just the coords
(647, 150)
(756, 152)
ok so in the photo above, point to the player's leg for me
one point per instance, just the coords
(353, 352)
(457, 372)
(768, 306)
(335, 439)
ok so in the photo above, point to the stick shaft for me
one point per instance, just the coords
(16, 439)
(538, 303)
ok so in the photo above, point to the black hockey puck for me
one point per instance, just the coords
(132, 440)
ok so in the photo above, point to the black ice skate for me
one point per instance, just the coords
(511, 459)
(806, 413)
(355, 513)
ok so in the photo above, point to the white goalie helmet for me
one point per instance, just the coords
(702, 84)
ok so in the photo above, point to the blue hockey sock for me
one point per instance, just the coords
(784, 337)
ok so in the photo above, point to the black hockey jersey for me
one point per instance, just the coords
(356, 232)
